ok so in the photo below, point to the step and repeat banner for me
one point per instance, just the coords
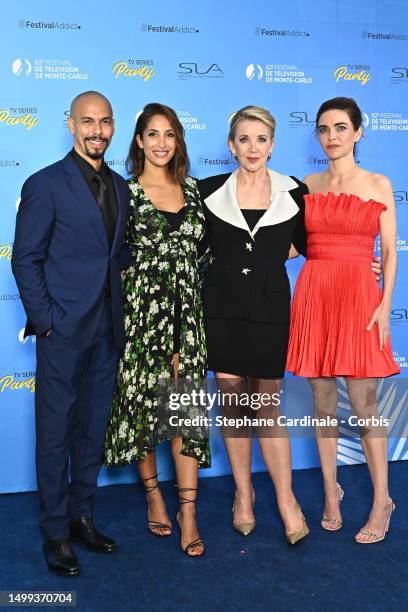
(205, 60)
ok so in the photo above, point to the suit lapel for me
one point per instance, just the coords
(282, 206)
(121, 218)
(83, 194)
(223, 203)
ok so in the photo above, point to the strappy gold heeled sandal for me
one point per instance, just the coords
(377, 538)
(243, 527)
(332, 521)
(153, 526)
(299, 534)
(197, 543)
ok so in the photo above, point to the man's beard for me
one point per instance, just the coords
(95, 154)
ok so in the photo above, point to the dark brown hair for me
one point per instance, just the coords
(349, 105)
(179, 164)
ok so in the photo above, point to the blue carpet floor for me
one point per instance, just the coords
(327, 571)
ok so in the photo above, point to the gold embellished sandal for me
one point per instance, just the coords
(243, 527)
(377, 538)
(337, 524)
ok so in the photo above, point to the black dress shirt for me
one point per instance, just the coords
(110, 211)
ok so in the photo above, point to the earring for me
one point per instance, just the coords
(234, 157)
(269, 156)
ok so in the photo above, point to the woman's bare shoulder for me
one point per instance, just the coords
(378, 186)
(313, 180)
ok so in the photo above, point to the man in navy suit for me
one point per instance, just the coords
(67, 257)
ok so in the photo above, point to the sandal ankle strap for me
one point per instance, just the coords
(184, 500)
(150, 488)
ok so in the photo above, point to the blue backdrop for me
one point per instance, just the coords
(205, 60)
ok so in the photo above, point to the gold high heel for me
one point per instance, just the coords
(375, 535)
(244, 528)
(299, 534)
(332, 521)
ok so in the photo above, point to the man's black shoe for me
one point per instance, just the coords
(60, 558)
(83, 532)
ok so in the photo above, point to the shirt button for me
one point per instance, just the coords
(248, 246)
(246, 270)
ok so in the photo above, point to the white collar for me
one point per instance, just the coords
(223, 203)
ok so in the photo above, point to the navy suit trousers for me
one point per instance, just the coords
(74, 389)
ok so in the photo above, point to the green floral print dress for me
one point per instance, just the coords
(164, 261)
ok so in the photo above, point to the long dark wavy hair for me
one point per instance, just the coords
(179, 164)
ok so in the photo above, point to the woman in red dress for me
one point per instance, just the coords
(340, 316)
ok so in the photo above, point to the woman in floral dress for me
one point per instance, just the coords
(163, 318)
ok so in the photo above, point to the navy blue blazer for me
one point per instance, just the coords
(61, 256)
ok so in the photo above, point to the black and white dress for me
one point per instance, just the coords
(246, 292)
(163, 315)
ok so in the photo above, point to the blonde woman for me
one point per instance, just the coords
(254, 215)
